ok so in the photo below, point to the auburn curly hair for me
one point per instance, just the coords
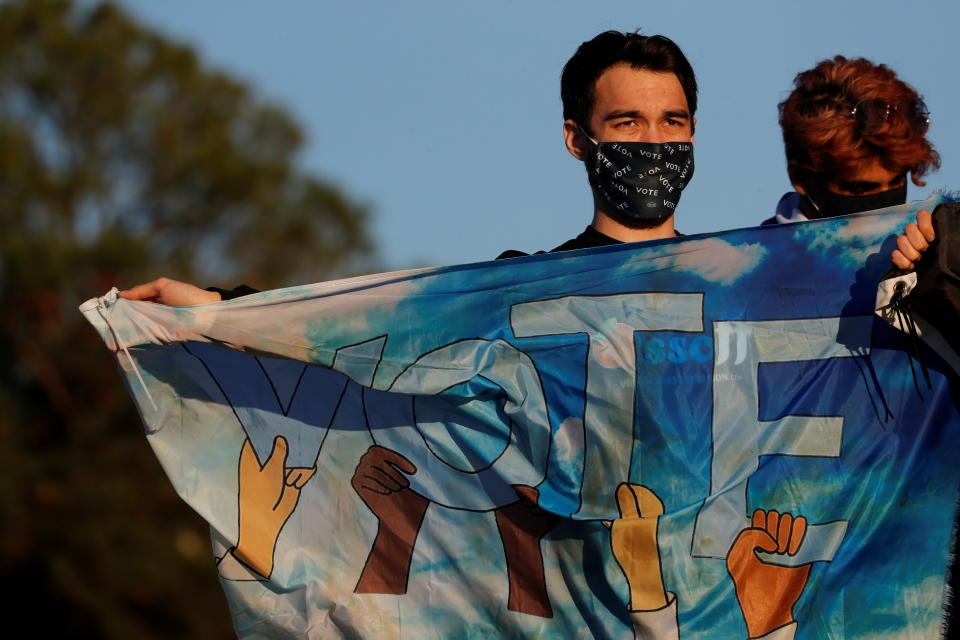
(820, 136)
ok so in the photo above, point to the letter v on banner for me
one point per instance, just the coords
(609, 322)
(740, 437)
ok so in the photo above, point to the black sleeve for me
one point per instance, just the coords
(236, 292)
(936, 296)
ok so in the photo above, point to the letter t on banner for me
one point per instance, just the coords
(609, 322)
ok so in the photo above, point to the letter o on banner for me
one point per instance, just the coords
(527, 442)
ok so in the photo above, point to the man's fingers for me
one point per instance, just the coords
(650, 505)
(900, 260)
(291, 477)
(916, 239)
(627, 502)
(637, 501)
(288, 500)
(907, 249)
(527, 494)
(773, 523)
(756, 539)
(370, 485)
(297, 477)
(388, 477)
(278, 458)
(373, 483)
(170, 292)
(395, 459)
(145, 291)
(796, 536)
(530, 498)
(305, 477)
(783, 532)
(248, 457)
(925, 225)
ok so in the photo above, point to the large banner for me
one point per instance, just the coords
(708, 437)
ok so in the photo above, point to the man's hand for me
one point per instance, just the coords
(633, 538)
(170, 292)
(914, 241)
(380, 476)
(380, 480)
(767, 592)
(268, 495)
(521, 525)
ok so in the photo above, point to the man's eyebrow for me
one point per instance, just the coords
(856, 185)
(674, 113)
(613, 115)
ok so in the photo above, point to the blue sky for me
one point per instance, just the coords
(445, 117)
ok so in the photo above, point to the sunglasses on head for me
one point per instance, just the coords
(870, 115)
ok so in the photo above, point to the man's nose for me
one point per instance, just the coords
(654, 134)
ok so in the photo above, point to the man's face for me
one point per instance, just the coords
(636, 105)
(866, 179)
(631, 105)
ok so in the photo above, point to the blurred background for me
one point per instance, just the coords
(271, 144)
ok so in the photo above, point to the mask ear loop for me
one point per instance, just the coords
(587, 136)
(813, 204)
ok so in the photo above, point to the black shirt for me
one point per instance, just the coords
(589, 238)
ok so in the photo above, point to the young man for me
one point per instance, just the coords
(853, 132)
(628, 106)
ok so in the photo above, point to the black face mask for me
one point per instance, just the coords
(827, 204)
(641, 181)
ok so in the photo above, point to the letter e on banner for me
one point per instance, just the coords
(740, 437)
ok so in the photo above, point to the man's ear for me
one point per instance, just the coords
(795, 177)
(693, 127)
(577, 143)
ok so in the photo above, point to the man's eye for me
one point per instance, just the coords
(626, 123)
(858, 188)
(674, 123)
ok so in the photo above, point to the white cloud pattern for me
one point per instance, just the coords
(714, 260)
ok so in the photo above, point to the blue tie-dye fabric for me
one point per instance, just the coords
(718, 375)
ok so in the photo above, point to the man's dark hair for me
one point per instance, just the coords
(652, 53)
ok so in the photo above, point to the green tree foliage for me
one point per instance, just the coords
(123, 158)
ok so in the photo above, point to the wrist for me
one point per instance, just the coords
(762, 627)
(258, 561)
(647, 597)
